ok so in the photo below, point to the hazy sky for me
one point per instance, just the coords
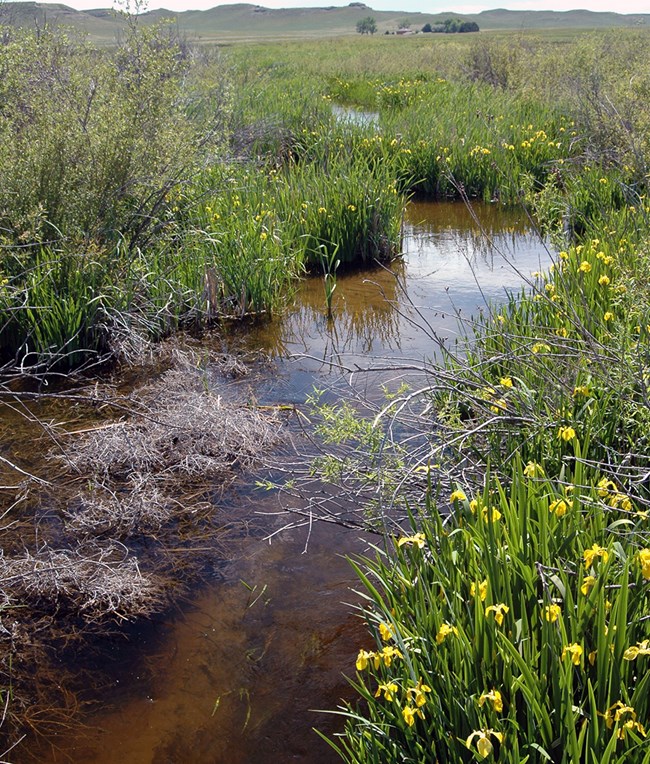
(427, 6)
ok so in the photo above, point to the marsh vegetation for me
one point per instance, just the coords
(155, 187)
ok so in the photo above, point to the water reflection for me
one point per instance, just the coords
(357, 117)
(455, 262)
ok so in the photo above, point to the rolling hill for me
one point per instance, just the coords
(245, 21)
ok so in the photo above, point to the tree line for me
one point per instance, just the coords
(368, 25)
(451, 26)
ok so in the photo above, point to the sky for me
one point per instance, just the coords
(426, 6)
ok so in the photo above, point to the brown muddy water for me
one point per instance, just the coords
(238, 670)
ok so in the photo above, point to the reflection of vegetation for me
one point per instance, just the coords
(366, 310)
(459, 228)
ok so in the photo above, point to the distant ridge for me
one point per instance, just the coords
(247, 21)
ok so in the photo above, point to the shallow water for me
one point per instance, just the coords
(356, 117)
(235, 672)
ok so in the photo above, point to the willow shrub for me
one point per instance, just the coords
(515, 632)
(91, 141)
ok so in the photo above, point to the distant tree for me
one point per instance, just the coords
(452, 26)
(404, 24)
(366, 25)
(427, 27)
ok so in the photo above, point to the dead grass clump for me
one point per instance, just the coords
(94, 581)
(141, 507)
(183, 428)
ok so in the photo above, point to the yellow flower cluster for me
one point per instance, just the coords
(605, 259)
(497, 405)
(491, 515)
(415, 695)
(609, 492)
(418, 693)
(386, 655)
(624, 717)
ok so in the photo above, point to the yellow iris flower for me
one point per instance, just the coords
(533, 470)
(494, 696)
(444, 631)
(483, 743)
(419, 693)
(389, 690)
(482, 589)
(587, 583)
(419, 540)
(632, 653)
(409, 713)
(499, 612)
(591, 554)
(575, 651)
(552, 612)
(566, 434)
(644, 559)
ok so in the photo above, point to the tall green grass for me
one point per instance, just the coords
(515, 633)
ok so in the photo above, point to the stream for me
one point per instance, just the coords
(250, 660)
